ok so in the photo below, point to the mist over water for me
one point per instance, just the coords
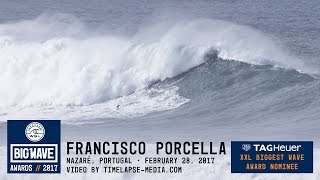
(56, 60)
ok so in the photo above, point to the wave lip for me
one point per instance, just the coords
(68, 68)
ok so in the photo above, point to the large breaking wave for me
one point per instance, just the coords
(52, 64)
(56, 60)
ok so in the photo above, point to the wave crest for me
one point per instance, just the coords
(66, 65)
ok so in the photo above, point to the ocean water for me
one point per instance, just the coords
(180, 70)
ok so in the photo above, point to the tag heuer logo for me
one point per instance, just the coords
(246, 147)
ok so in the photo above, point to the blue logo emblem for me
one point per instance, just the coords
(34, 146)
(246, 147)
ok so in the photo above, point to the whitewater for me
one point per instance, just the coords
(53, 65)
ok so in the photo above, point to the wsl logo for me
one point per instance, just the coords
(35, 131)
(34, 146)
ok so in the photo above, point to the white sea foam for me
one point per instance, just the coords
(137, 104)
(57, 61)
